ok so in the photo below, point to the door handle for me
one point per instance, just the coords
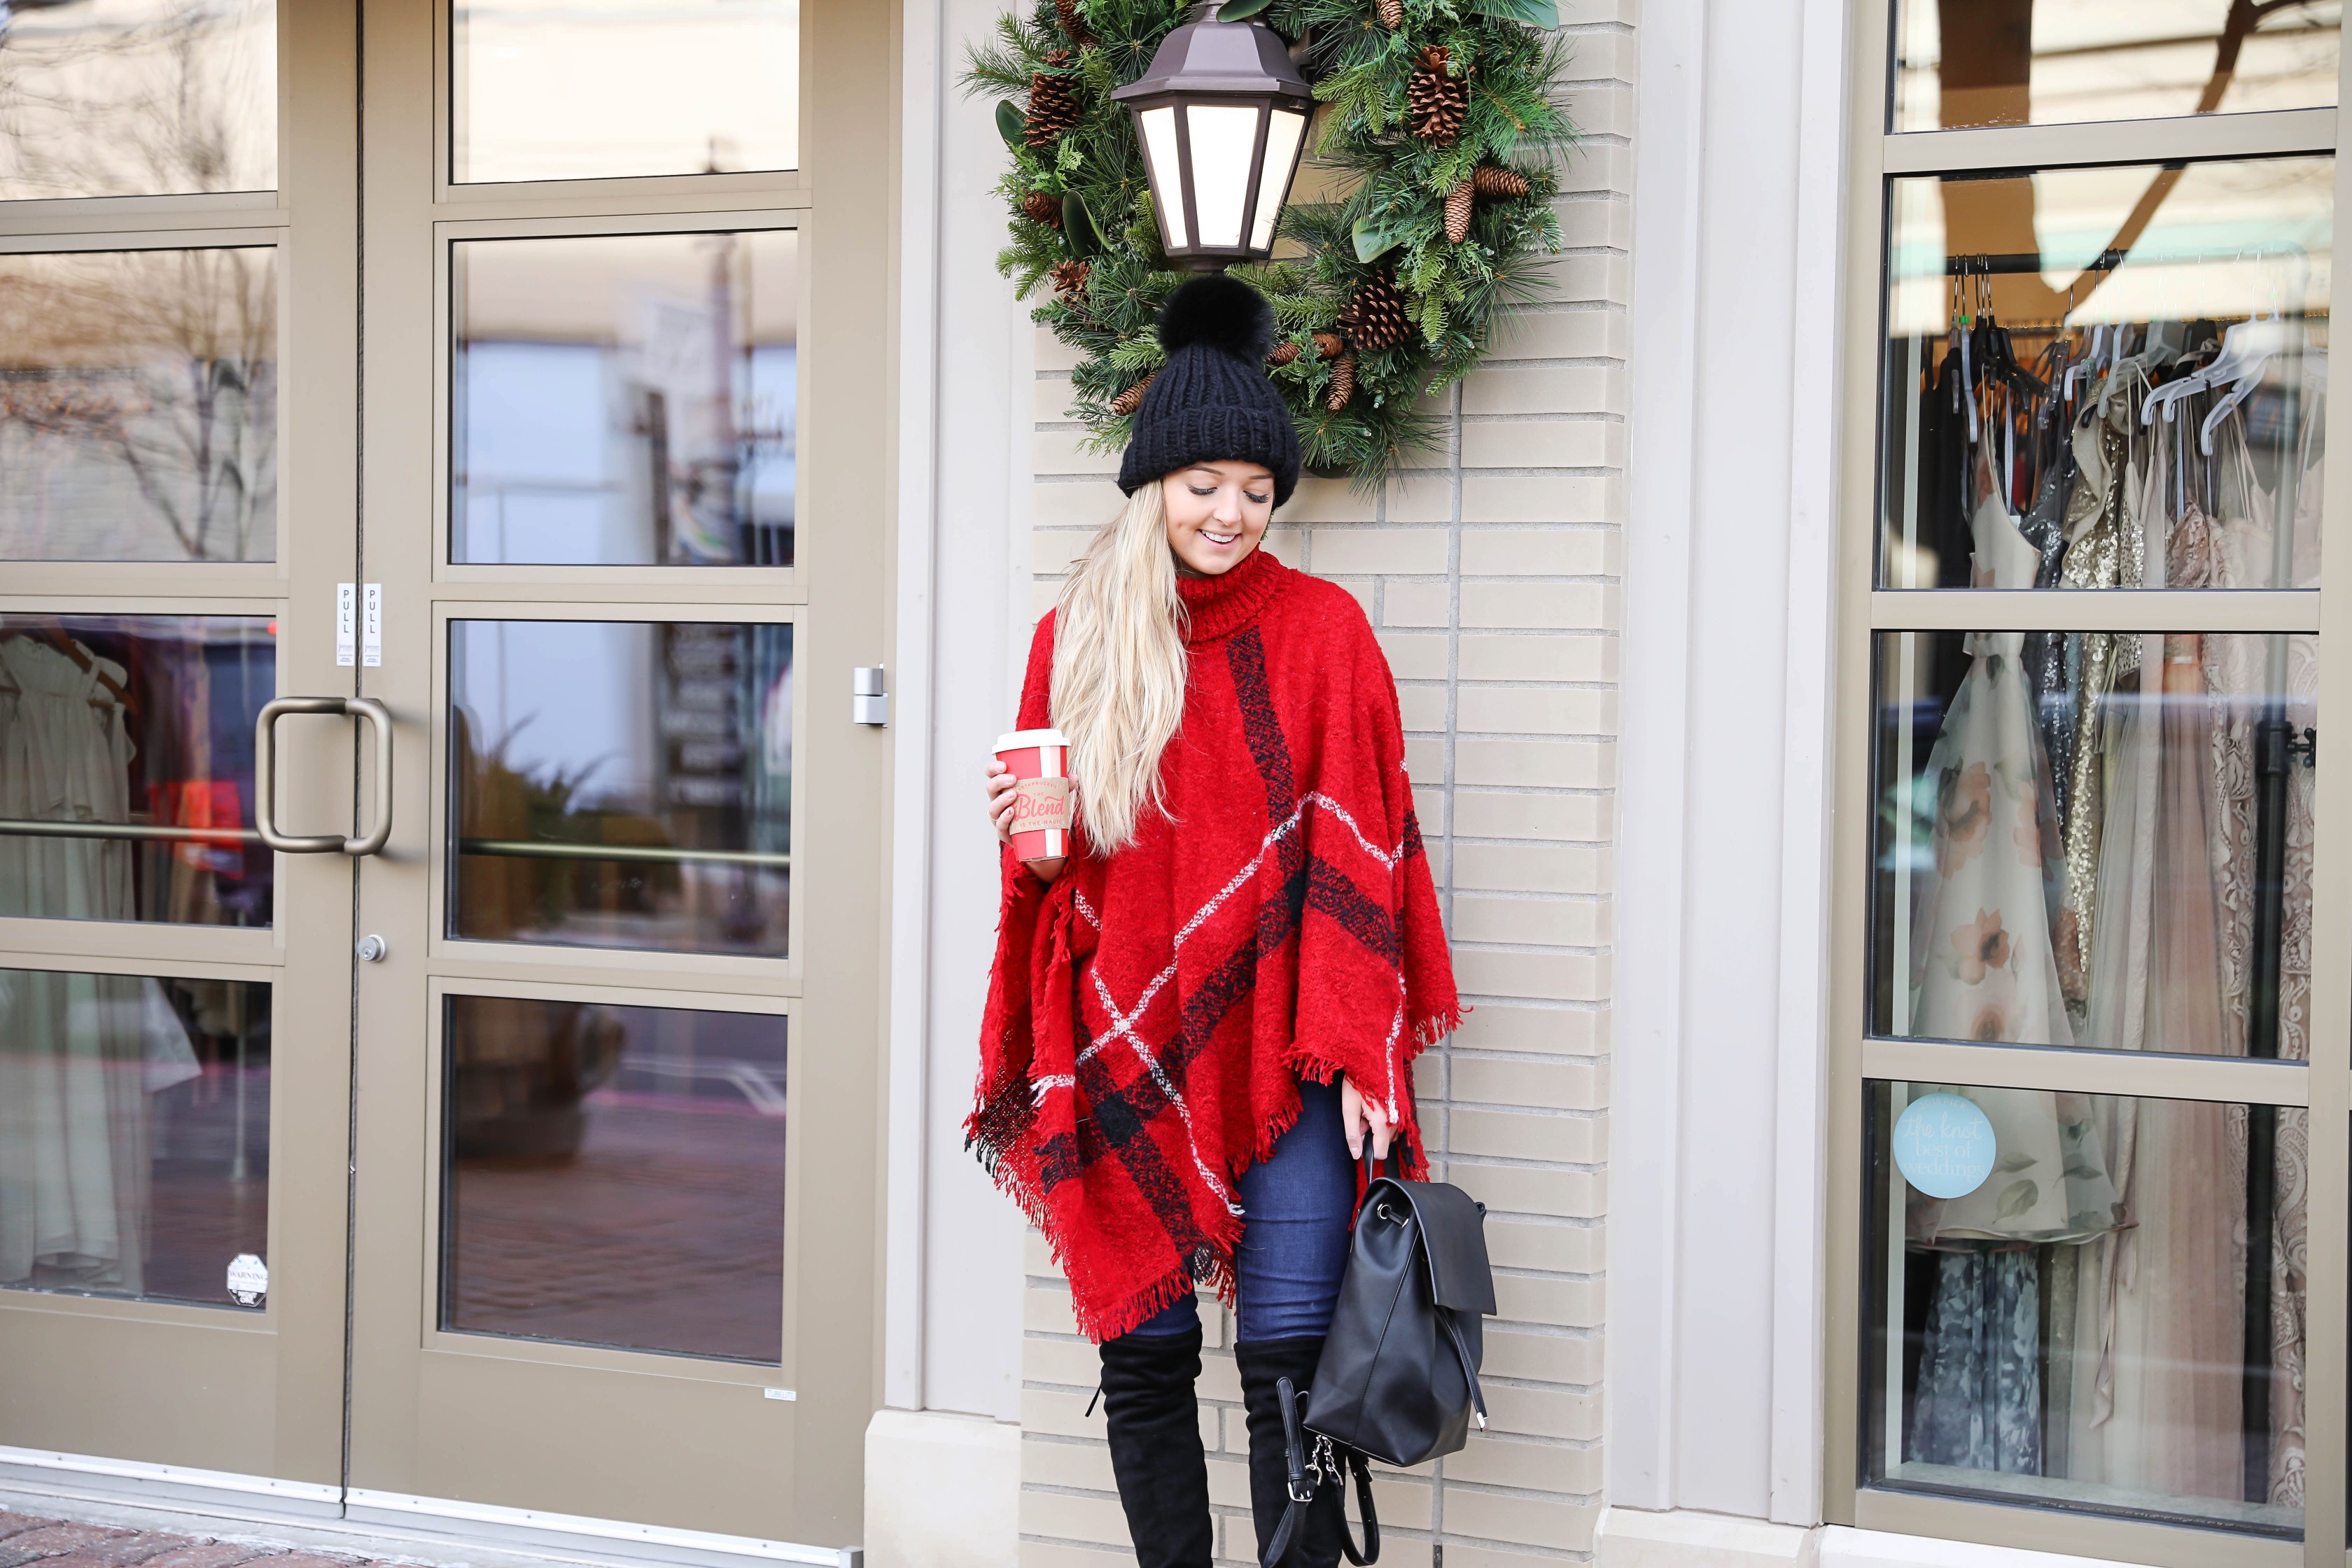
(265, 775)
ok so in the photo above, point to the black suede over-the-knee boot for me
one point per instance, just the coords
(1262, 1363)
(1153, 1413)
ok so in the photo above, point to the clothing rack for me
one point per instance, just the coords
(1979, 263)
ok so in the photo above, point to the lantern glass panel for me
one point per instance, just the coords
(1168, 186)
(1282, 137)
(1223, 141)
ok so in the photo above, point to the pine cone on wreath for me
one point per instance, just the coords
(1375, 315)
(1073, 21)
(1328, 345)
(1053, 108)
(1128, 402)
(1037, 206)
(1282, 353)
(1392, 14)
(1438, 101)
(1493, 180)
(1070, 278)
(1343, 383)
(1458, 203)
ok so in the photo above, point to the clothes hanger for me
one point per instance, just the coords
(51, 635)
(2267, 338)
(2088, 365)
(1964, 333)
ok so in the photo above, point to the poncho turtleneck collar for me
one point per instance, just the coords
(1220, 605)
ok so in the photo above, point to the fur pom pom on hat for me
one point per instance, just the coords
(1212, 402)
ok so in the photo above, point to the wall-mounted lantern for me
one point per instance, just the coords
(1222, 115)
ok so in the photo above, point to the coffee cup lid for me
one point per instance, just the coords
(1022, 739)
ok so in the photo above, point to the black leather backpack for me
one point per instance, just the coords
(1399, 1377)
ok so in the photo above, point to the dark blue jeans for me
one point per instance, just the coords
(1295, 1205)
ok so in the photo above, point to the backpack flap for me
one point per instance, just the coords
(1454, 1237)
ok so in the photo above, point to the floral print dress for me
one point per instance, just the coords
(1984, 969)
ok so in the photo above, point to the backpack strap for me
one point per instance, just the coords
(1469, 1366)
(1310, 1469)
(1370, 1551)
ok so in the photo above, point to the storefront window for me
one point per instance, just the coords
(2088, 994)
(2062, 1286)
(2045, 62)
(2071, 836)
(2055, 336)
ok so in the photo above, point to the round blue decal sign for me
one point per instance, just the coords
(1944, 1145)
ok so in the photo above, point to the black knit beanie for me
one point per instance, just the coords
(1211, 402)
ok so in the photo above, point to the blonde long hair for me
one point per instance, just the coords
(1118, 669)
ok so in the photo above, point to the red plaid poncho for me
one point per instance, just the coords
(1151, 1014)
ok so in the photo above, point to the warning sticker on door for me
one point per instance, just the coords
(248, 1279)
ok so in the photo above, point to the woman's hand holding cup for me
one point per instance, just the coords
(1002, 786)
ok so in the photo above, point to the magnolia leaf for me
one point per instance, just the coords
(1235, 10)
(2016, 1198)
(1078, 225)
(1378, 234)
(1533, 12)
(2014, 1162)
(1011, 124)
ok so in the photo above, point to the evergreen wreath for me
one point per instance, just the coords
(1445, 119)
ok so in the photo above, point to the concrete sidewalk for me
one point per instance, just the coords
(58, 1543)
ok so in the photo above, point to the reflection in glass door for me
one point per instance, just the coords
(139, 405)
(615, 1176)
(623, 784)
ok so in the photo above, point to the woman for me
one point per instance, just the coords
(1200, 1022)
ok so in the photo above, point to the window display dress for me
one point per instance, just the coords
(81, 1055)
(2248, 553)
(2158, 1407)
(1984, 968)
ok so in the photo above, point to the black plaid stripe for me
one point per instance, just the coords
(1329, 892)
(1116, 1123)
(1279, 915)
(1246, 658)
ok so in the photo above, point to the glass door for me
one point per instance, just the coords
(626, 435)
(178, 298)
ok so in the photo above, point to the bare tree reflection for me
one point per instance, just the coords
(134, 380)
(106, 97)
(137, 387)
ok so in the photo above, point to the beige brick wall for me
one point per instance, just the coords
(1493, 582)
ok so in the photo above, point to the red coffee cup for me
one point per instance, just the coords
(1039, 760)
